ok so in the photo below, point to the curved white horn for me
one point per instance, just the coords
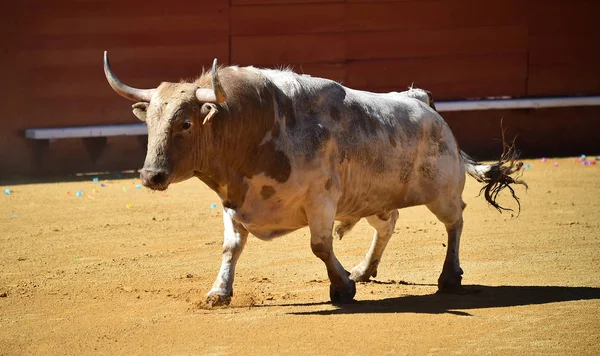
(122, 89)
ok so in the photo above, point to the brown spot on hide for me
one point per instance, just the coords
(328, 184)
(267, 191)
(392, 141)
(272, 162)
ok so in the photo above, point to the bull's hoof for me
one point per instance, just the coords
(217, 300)
(361, 274)
(450, 282)
(342, 294)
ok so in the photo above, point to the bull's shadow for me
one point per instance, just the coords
(475, 297)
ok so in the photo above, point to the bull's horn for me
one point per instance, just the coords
(125, 91)
(216, 94)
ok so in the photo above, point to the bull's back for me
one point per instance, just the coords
(384, 151)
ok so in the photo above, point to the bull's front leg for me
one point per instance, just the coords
(235, 236)
(320, 221)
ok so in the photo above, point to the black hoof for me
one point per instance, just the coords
(450, 283)
(342, 294)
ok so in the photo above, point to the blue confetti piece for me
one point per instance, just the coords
(213, 206)
(583, 156)
(118, 175)
(95, 180)
(7, 191)
(138, 186)
(527, 166)
(79, 193)
(103, 185)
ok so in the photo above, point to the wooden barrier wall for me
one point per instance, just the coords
(52, 59)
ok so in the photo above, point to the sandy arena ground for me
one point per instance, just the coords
(122, 270)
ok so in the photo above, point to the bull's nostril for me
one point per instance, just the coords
(158, 178)
(153, 178)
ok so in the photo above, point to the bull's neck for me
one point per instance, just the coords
(227, 150)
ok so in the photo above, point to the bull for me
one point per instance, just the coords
(284, 151)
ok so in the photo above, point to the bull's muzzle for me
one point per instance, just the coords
(154, 179)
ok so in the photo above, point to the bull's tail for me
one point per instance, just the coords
(502, 174)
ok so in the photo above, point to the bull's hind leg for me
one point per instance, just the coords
(449, 212)
(384, 225)
(320, 222)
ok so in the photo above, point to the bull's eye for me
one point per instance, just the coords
(186, 125)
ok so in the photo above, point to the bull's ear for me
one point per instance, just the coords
(139, 110)
(208, 110)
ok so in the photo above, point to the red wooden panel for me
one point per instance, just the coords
(117, 8)
(417, 15)
(286, 19)
(273, 2)
(564, 79)
(559, 17)
(273, 50)
(461, 90)
(205, 25)
(78, 41)
(564, 48)
(476, 89)
(333, 71)
(381, 73)
(404, 44)
(166, 56)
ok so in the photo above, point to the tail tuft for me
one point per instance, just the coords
(502, 174)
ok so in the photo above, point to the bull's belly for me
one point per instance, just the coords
(380, 194)
(269, 233)
(268, 220)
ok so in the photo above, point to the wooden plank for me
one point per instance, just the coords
(117, 8)
(418, 15)
(278, 2)
(444, 69)
(86, 131)
(436, 42)
(205, 25)
(77, 41)
(281, 50)
(111, 111)
(164, 55)
(564, 48)
(559, 17)
(563, 79)
(286, 19)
